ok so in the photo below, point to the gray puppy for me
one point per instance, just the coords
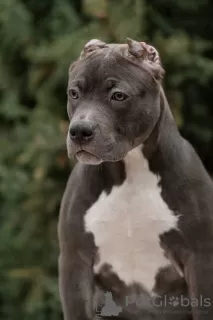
(136, 219)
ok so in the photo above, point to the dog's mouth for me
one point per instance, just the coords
(87, 158)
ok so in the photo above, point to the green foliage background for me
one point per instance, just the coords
(39, 39)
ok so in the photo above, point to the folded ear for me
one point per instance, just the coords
(92, 45)
(154, 60)
(136, 48)
(152, 53)
(148, 54)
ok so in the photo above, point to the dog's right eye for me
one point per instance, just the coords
(73, 94)
(119, 96)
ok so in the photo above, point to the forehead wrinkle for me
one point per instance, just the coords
(128, 69)
(85, 74)
(136, 72)
(109, 62)
(118, 55)
(79, 82)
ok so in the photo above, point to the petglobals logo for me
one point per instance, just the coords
(181, 301)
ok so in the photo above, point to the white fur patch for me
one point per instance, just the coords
(126, 224)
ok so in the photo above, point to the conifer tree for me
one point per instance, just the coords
(39, 39)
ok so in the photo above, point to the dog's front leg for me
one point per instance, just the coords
(199, 277)
(77, 252)
(76, 286)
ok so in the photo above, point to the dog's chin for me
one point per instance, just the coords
(87, 158)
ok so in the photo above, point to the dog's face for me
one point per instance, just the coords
(113, 103)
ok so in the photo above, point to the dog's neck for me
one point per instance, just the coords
(164, 130)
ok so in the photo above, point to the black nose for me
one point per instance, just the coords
(81, 131)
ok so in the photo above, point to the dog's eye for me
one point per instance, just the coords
(119, 96)
(73, 94)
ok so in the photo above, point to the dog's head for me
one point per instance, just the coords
(113, 100)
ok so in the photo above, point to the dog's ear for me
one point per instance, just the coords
(92, 45)
(147, 54)
(136, 49)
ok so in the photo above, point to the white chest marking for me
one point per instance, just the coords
(126, 224)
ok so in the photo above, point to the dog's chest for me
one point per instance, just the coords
(126, 224)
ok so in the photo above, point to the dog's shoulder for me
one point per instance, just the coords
(183, 176)
(80, 189)
(187, 188)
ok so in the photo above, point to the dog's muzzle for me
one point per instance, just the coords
(82, 133)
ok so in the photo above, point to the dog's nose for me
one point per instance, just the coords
(81, 131)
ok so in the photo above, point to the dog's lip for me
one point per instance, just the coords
(86, 152)
(87, 157)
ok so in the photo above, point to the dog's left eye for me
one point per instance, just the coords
(73, 94)
(119, 96)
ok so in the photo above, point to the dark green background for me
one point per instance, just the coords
(38, 40)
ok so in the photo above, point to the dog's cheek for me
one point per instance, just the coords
(69, 146)
(120, 129)
(69, 110)
(142, 122)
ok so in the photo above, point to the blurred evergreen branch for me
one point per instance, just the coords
(39, 39)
